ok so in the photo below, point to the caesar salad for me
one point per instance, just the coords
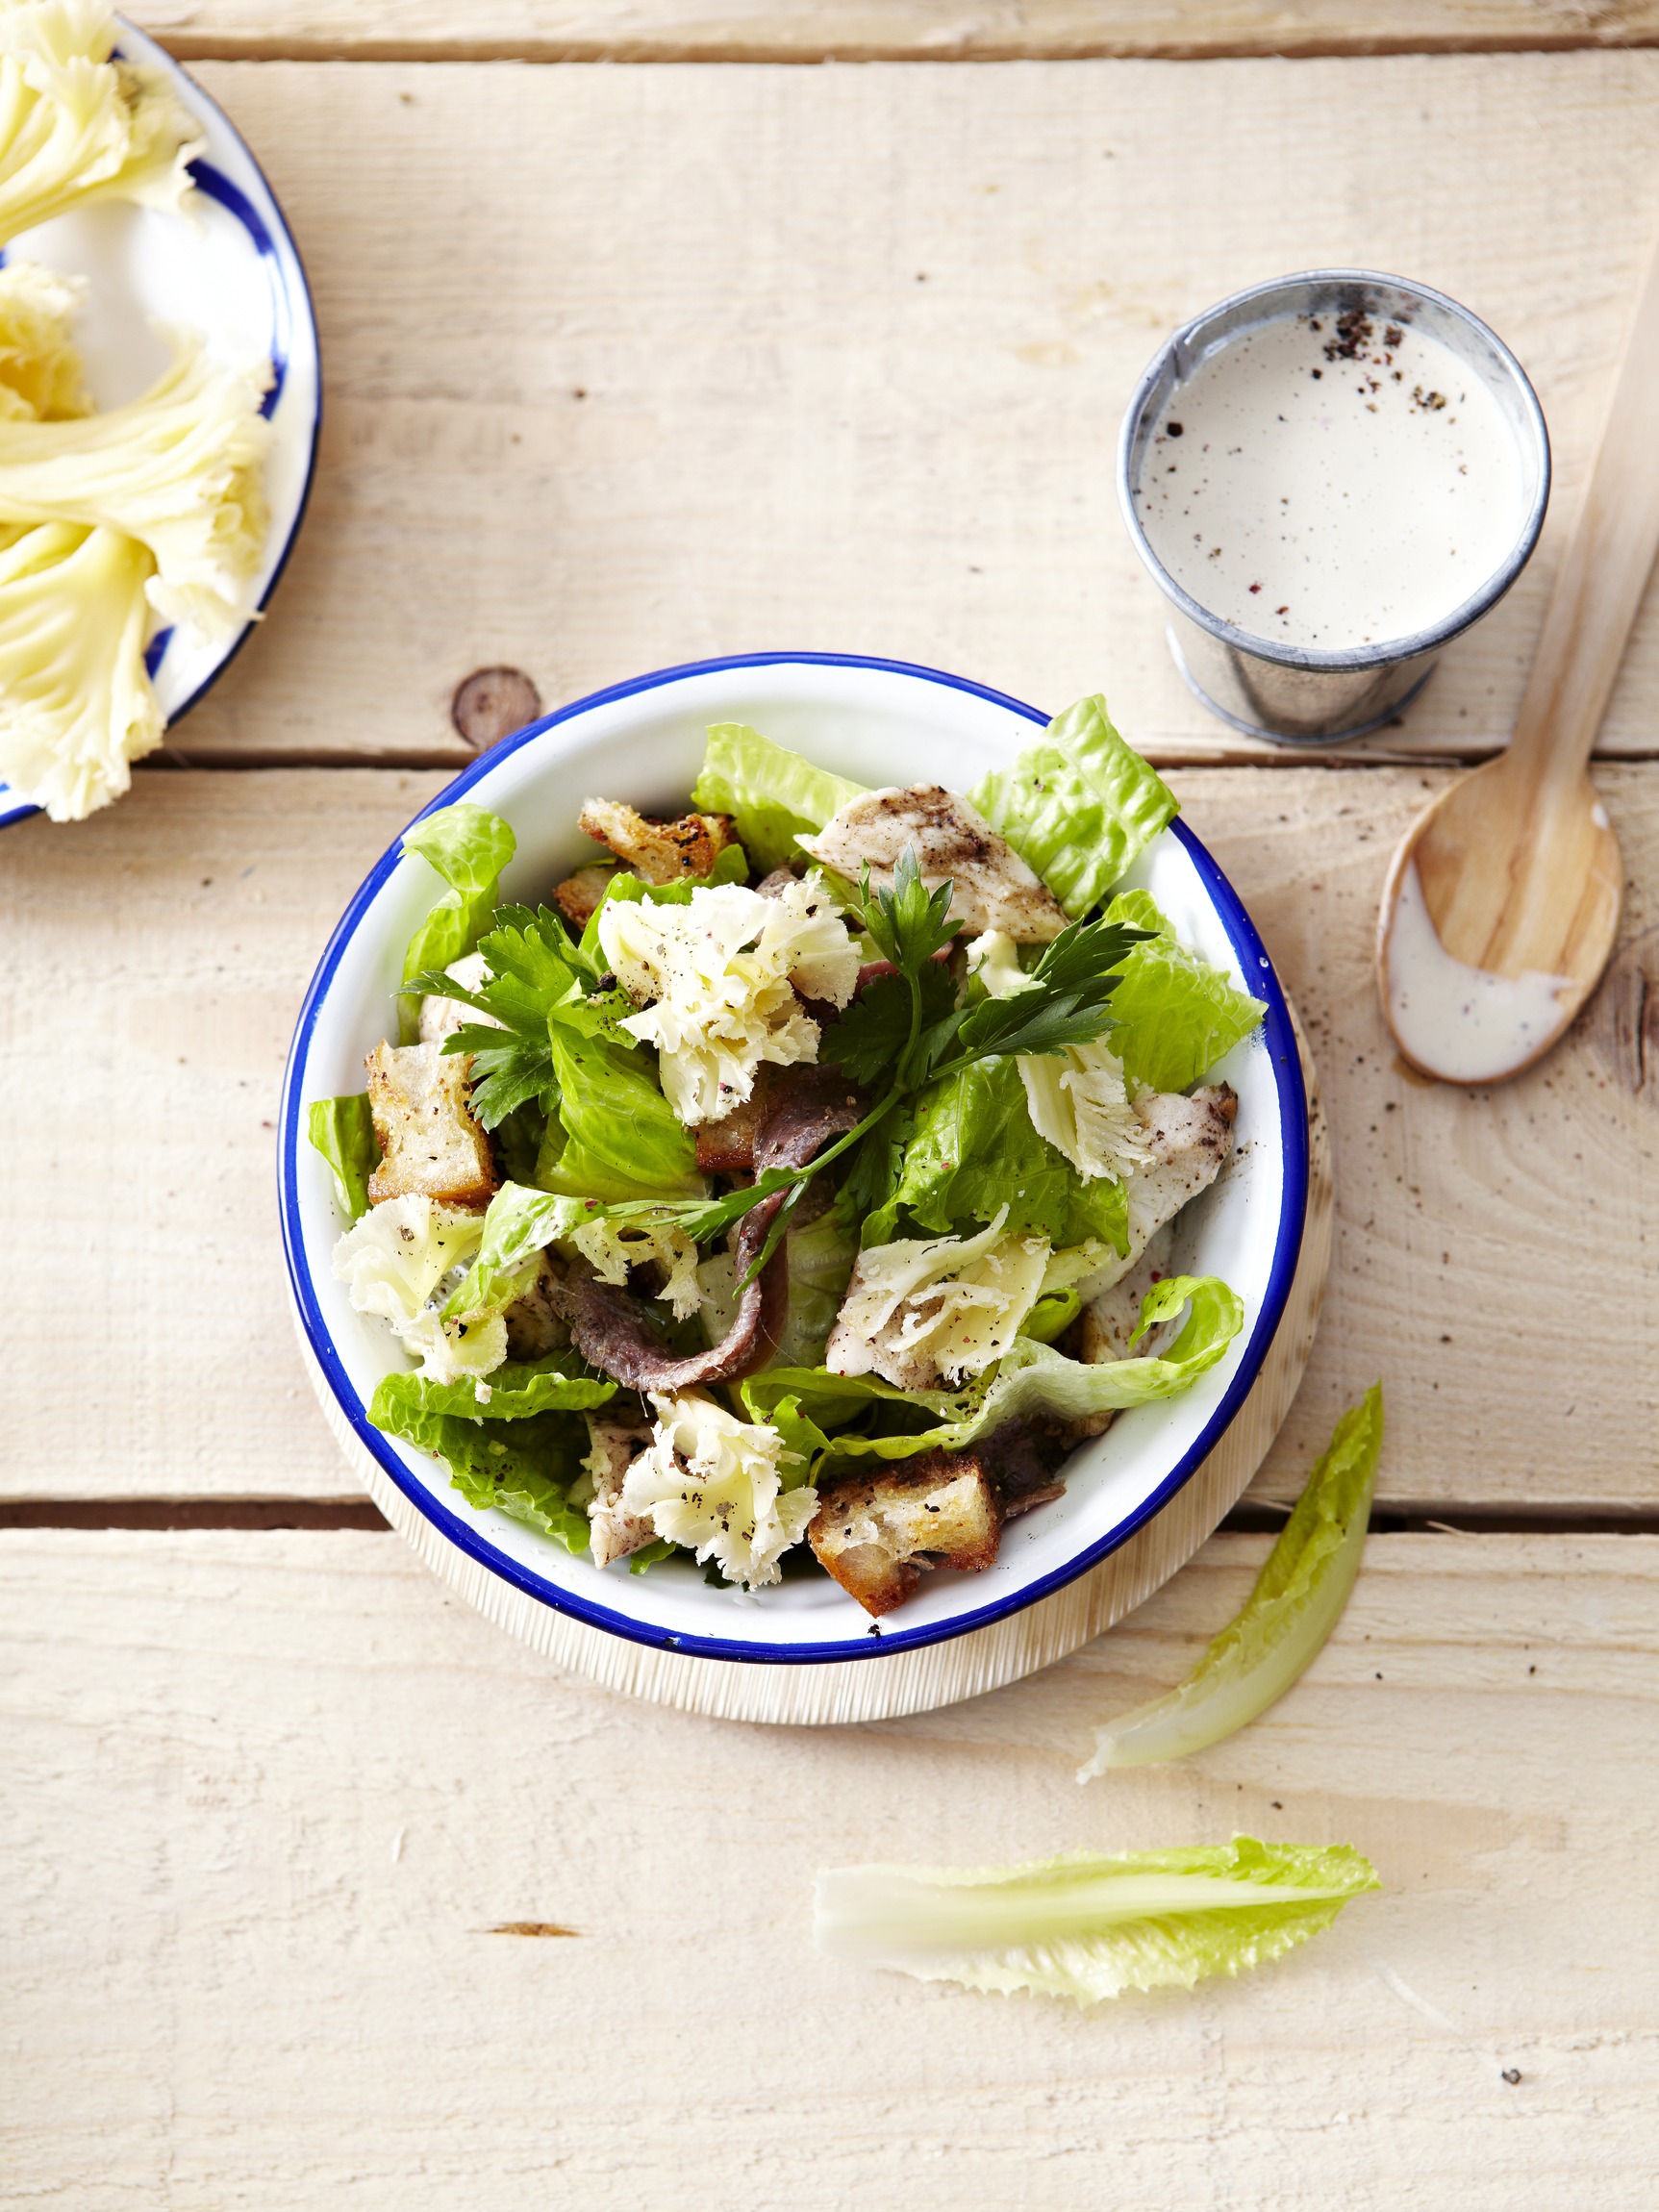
(795, 1191)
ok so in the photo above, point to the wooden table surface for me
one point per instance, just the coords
(705, 352)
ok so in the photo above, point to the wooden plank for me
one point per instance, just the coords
(157, 955)
(875, 30)
(268, 1800)
(695, 361)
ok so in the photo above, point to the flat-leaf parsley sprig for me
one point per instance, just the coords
(908, 1022)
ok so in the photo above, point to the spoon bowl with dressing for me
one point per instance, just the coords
(1501, 906)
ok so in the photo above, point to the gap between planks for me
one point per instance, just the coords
(958, 31)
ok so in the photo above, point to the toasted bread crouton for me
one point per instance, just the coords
(656, 851)
(430, 1145)
(580, 896)
(876, 1534)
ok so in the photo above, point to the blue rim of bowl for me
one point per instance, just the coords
(264, 229)
(1281, 1043)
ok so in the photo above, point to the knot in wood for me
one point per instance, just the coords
(491, 703)
(1626, 1016)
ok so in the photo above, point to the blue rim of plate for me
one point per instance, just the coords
(1281, 1043)
(289, 317)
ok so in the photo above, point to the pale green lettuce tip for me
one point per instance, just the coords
(1298, 1600)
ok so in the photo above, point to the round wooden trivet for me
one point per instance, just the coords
(940, 1673)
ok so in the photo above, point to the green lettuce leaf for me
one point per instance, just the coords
(517, 1389)
(343, 1131)
(804, 1444)
(468, 846)
(1031, 1379)
(770, 794)
(523, 1467)
(1078, 806)
(1175, 1015)
(519, 1222)
(1088, 1926)
(1298, 1600)
(973, 1151)
(620, 1137)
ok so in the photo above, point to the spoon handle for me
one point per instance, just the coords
(1603, 574)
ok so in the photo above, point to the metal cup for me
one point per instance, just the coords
(1293, 693)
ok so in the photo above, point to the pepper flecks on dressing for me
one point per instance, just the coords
(1465, 1025)
(1332, 481)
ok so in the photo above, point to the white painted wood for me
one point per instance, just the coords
(146, 1015)
(264, 1798)
(868, 30)
(854, 344)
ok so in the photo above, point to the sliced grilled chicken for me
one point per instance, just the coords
(994, 887)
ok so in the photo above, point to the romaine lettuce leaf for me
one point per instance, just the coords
(973, 1150)
(622, 1139)
(1176, 1016)
(523, 1467)
(468, 846)
(1088, 1926)
(1079, 805)
(343, 1131)
(770, 794)
(517, 1390)
(1284, 1621)
(1031, 1379)
(519, 1224)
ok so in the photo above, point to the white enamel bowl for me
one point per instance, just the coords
(226, 266)
(878, 722)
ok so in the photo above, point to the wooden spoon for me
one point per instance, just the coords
(1515, 869)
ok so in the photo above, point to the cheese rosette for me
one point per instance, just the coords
(920, 1310)
(400, 1262)
(1078, 1099)
(715, 1485)
(722, 980)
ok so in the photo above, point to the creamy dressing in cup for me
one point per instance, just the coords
(1329, 477)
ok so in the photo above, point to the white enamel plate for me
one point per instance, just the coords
(878, 722)
(229, 268)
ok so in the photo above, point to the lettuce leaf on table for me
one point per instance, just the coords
(1079, 805)
(770, 794)
(1088, 1926)
(1175, 1015)
(1284, 1621)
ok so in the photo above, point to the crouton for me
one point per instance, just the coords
(876, 1534)
(580, 896)
(656, 851)
(430, 1145)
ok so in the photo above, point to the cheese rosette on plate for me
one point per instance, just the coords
(791, 1191)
